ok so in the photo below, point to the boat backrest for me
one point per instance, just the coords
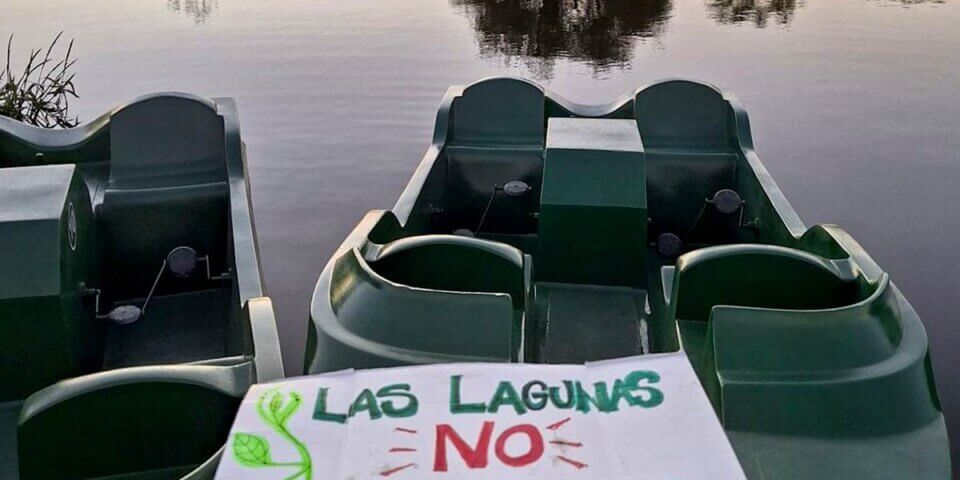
(687, 130)
(166, 140)
(762, 276)
(167, 188)
(496, 135)
(454, 263)
(685, 115)
(498, 111)
(129, 421)
(467, 324)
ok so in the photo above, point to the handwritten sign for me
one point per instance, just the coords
(639, 417)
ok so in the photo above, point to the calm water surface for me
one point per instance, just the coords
(855, 105)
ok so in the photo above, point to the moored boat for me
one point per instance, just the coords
(536, 230)
(133, 316)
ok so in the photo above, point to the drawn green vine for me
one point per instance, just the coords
(253, 451)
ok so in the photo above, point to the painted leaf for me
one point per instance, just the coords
(251, 450)
(290, 408)
(276, 403)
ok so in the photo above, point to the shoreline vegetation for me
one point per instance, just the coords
(40, 93)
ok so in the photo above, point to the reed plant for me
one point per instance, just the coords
(40, 93)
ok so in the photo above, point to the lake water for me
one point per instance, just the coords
(855, 106)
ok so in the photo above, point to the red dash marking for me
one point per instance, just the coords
(556, 426)
(387, 473)
(402, 449)
(566, 443)
(578, 465)
(405, 430)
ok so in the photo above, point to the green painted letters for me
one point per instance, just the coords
(455, 405)
(320, 409)
(401, 390)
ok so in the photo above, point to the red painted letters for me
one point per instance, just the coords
(477, 455)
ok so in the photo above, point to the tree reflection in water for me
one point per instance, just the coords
(199, 10)
(599, 32)
(758, 12)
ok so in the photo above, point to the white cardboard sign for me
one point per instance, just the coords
(641, 417)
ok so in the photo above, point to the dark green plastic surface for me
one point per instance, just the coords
(817, 366)
(80, 397)
(593, 200)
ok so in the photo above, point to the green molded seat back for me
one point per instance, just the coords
(447, 262)
(498, 111)
(128, 422)
(496, 136)
(167, 141)
(751, 276)
(685, 115)
(760, 276)
(688, 135)
(167, 188)
(468, 325)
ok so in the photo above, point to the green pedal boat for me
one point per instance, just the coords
(132, 311)
(536, 230)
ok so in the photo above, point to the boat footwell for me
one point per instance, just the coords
(584, 322)
(185, 327)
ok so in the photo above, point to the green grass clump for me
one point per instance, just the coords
(39, 94)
